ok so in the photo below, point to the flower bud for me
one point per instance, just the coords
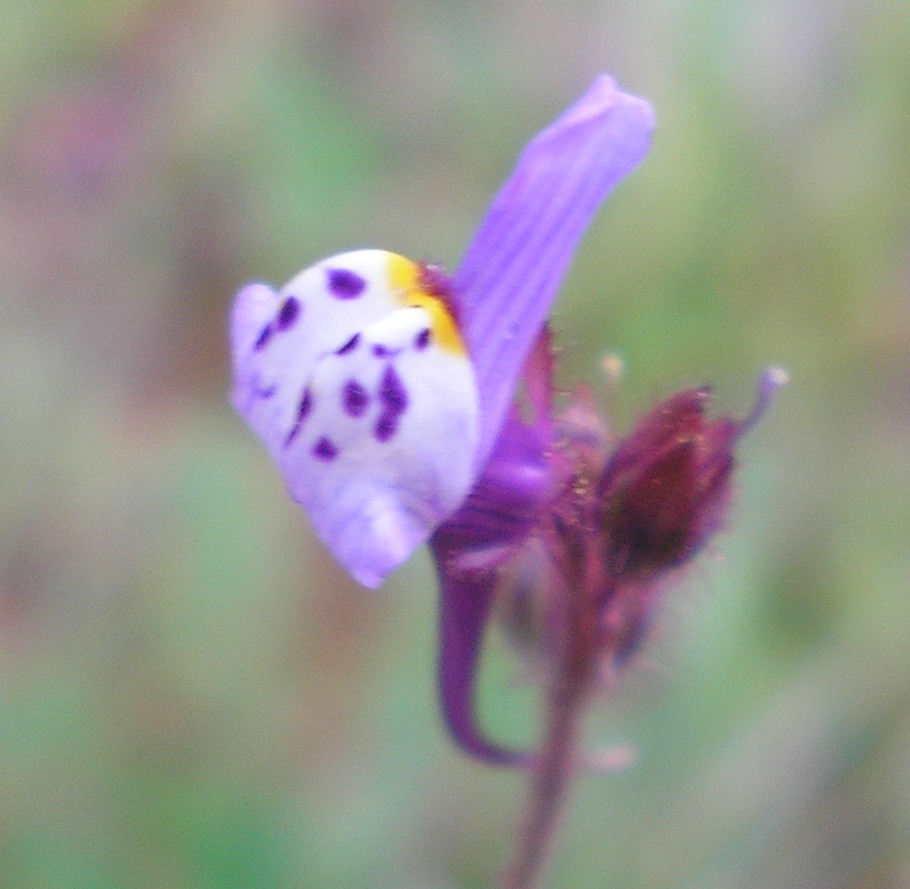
(666, 488)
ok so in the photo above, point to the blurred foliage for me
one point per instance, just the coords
(191, 694)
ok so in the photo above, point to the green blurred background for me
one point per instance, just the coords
(191, 695)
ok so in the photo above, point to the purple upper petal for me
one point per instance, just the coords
(511, 271)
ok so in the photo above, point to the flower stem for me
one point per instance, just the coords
(557, 761)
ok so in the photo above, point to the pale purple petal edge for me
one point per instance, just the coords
(511, 271)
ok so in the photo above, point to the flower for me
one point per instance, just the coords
(381, 386)
(385, 391)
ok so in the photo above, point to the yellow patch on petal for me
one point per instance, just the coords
(404, 283)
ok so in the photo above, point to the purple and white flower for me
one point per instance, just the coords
(385, 391)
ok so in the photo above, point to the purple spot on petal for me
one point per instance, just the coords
(422, 340)
(394, 398)
(345, 284)
(392, 393)
(306, 404)
(303, 408)
(354, 398)
(263, 338)
(386, 425)
(325, 449)
(288, 313)
(381, 351)
(349, 346)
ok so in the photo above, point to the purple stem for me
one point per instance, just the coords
(557, 761)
